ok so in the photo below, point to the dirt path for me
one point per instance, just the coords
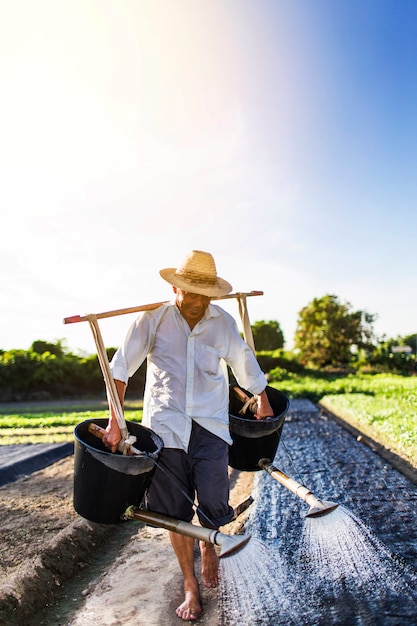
(57, 568)
(34, 509)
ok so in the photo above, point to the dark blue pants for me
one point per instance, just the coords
(201, 475)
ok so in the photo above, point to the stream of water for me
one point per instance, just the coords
(340, 574)
(253, 587)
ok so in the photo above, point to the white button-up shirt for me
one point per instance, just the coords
(187, 375)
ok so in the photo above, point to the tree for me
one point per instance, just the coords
(385, 358)
(327, 330)
(40, 347)
(410, 340)
(267, 335)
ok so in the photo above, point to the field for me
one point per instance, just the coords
(40, 506)
(53, 422)
(382, 406)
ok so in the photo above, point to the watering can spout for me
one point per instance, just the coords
(317, 507)
(231, 543)
(228, 543)
(322, 507)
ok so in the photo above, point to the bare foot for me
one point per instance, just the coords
(209, 565)
(190, 609)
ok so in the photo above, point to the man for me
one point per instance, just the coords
(188, 344)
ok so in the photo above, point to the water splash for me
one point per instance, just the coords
(254, 588)
(347, 576)
(339, 574)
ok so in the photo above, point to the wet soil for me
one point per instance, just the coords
(380, 589)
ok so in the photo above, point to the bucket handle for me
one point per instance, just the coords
(127, 440)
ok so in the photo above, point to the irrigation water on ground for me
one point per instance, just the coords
(331, 569)
(342, 574)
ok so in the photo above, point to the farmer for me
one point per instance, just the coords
(188, 343)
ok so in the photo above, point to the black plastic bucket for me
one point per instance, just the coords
(106, 484)
(255, 439)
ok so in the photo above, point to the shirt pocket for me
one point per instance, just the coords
(208, 360)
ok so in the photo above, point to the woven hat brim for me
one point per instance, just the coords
(220, 288)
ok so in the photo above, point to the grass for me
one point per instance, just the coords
(54, 422)
(316, 387)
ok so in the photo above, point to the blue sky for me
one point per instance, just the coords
(280, 135)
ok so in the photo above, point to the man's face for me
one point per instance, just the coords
(191, 305)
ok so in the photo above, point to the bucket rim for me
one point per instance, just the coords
(155, 437)
(269, 390)
(253, 428)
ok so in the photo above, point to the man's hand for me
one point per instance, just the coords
(264, 408)
(113, 436)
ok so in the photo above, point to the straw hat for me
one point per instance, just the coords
(197, 274)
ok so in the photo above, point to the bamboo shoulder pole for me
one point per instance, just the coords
(147, 307)
(134, 309)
